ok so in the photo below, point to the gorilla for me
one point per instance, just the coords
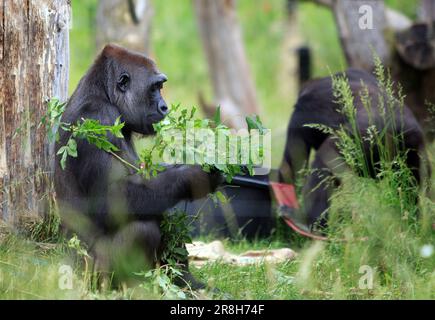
(316, 105)
(115, 211)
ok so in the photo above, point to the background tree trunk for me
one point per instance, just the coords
(125, 22)
(359, 43)
(221, 36)
(426, 12)
(34, 56)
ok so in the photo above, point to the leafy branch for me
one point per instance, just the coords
(181, 120)
(149, 164)
(94, 133)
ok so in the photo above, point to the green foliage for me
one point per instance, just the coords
(219, 197)
(93, 132)
(379, 233)
(176, 230)
(75, 243)
(70, 149)
(52, 120)
(47, 229)
(385, 141)
(90, 130)
(182, 121)
(162, 282)
(177, 120)
(376, 224)
(254, 123)
(32, 270)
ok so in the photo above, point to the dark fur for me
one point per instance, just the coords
(115, 211)
(316, 105)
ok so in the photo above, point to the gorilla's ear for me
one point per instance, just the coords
(123, 81)
(416, 46)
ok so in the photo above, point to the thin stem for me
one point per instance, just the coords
(124, 161)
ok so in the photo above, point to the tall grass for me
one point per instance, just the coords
(382, 236)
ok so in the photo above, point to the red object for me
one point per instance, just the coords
(295, 228)
(285, 194)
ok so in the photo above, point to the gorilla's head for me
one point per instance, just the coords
(133, 86)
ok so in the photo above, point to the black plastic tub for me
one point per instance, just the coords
(249, 213)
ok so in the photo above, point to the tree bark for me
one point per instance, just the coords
(125, 22)
(221, 36)
(426, 11)
(359, 43)
(34, 56)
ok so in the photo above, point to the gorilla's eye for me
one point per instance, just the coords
(123, 81)
(158, 85)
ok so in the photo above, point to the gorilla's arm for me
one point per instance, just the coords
(154, 196)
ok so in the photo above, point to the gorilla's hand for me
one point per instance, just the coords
(216, 179)
(202, 183)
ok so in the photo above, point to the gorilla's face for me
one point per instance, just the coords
(137, 93)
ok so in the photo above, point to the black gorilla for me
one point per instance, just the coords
(316, 105)
(114, 210)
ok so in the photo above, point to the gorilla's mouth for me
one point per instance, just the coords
(155, 118)
(150, 120)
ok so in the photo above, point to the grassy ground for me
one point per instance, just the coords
(30, 269)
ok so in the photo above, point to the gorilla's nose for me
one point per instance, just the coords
(162, 108)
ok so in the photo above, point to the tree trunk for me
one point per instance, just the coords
(221, 36)
(34, 56)
(361, 25)
(426, 12)
(125, 22)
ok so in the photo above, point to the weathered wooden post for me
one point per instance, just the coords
(362, 26)
(125, 22)
(221, 36)
(34, 54)
(426, 11)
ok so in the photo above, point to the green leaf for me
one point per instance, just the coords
(255, 123)
(72, 148)
(217, 116)
(250, 169)
(63, 160)
(192, 113)
(220, 167)
(221, 197)
(61, 150)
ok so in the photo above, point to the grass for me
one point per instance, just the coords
(384, 228)
(29, 269)
(32, 270)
